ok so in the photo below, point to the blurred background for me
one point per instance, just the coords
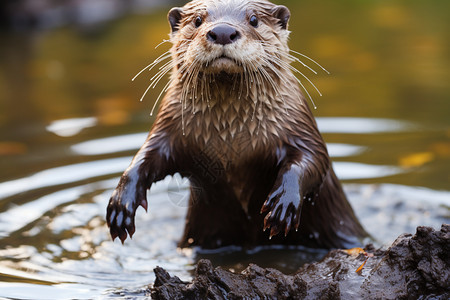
(71, 120)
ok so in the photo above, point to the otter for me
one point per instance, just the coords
(235, 122)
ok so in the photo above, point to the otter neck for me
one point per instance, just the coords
(224, 91)
(227, 110)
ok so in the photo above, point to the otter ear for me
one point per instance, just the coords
(174, 17)
(283, 14)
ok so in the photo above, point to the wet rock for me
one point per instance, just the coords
(412, 267)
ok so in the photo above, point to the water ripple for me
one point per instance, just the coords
(111, 144)
(362, 125)
(63, 175)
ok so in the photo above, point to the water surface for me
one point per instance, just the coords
(71, 120)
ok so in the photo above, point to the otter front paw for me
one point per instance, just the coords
(283, 206)
(284, 203)
(129, 194)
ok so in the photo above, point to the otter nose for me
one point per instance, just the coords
(223, 34)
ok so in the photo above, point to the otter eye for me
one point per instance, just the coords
(254, 21)
(198, 22)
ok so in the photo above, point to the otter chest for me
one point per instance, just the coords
(230, 146)
(230, 134)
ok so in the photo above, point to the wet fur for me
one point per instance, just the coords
(240, 130)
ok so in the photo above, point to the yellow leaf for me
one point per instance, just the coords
(416, 159)
(361, 266)
(354, 251)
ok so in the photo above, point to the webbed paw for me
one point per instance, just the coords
(283, 207)
(284, 203)
(128, 196)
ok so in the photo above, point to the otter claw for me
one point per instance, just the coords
(122, 208)
(120, 224)
(131, 229)
(123, 237)
(266, 224)
(287, 227)
(283, 207)
(144, 204)
(113, 235)
(274, 231)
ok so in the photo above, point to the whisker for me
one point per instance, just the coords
(297, 71)
(163, 42)
(309, 96)
(160, 94)
(301, 54)
(161, 69)
(298, 60)
(310, 82)
(160, 75)
(286, 56)
(161, 58)
(260, 79)
(145, 93)
(274, 86)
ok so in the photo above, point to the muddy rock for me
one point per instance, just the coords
(412, 267)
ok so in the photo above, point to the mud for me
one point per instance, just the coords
(413, 267)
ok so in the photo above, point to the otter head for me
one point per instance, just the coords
(229, 36)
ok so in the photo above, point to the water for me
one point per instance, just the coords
(71, 120)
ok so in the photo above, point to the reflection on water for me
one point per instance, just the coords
(65, 174)
(71, 127)
(361, 125)
(111, 144)
(70, 122)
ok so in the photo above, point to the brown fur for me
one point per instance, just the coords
(239, 128)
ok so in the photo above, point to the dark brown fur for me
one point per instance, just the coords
(248, 143)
